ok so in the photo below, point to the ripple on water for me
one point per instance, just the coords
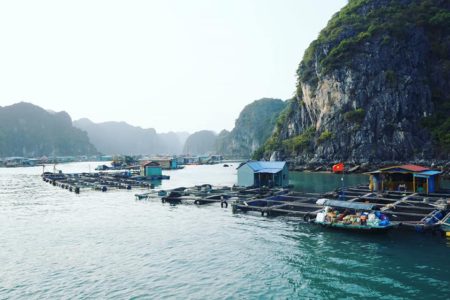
(55, 244)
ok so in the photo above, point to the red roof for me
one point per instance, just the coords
(414, 168)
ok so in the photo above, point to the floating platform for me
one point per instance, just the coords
(102, 181)
(420, 212)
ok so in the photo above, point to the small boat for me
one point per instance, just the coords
(142, 196)
(172, 198)
(445, 224)
(352, 216)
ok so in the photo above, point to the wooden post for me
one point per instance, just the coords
(414, 183)
(427, 186)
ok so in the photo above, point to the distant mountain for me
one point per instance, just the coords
(254, 125)
(200, 142)
(30, 131)
(174, 141)
(123, 138)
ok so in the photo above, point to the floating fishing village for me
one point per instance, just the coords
(225, 149)
(397, 197)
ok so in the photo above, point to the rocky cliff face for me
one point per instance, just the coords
(373, 86)
(200, 143)
(252, 128)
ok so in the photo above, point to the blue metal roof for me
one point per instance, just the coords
(272, 171)
(266, 166)
(427, 173)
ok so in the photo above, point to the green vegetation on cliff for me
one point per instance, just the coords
(252, 128)
(381, 24)
(357, 22)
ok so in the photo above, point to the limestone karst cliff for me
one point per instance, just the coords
(373, 86)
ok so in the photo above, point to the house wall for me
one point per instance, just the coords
(285, 176)
(246, 176)
(173, 164)
(153, 171)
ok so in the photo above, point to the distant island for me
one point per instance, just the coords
(27, 130)
(123, 138)
(30, 131)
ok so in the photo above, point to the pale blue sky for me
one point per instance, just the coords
(171, 65)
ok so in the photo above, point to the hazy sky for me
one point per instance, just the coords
(181, 65)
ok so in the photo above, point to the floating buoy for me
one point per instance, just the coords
(77, 190)
(224, 203)
(129, 187)
(104, 188)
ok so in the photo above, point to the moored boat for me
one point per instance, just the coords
(352, 216)
(445, 224)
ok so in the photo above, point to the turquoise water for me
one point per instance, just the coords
(55, 244)
(324, 182)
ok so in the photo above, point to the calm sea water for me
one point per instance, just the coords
(55, 244)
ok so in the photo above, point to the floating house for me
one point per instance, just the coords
(263, 173)
(151, 169)
(191, 160)
(15, 161)
(106, 158)
(405, 178)
(167, 163)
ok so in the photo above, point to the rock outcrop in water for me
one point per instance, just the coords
(373, 86)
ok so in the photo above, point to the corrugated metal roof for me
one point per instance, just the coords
(413, 168)
(428, 173)
(410, 168)
(272, 171)
(268, 166)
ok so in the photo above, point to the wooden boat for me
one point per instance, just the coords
(145, 195)
(352, 216)
(356, 227)
(445, 224)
